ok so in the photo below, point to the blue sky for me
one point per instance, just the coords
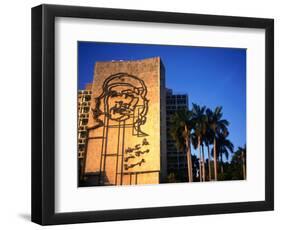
(210, 76)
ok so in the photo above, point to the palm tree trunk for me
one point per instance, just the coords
(215, 159)
(209, 163)
(190, 164)
(200, 161)
(244, 166)
(188, 158)
(221, 165)
(203, 163)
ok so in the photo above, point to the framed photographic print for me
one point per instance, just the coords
(141, 114)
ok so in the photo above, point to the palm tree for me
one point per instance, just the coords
(208, 139)
(217, 125)
(241, 157)
(194, 141)
(181, 126)
(195, 165)
(224, 147)
(200, 128)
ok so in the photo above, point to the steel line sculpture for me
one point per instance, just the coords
(132, 98)
(123, 100)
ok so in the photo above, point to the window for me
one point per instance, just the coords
(84, 121)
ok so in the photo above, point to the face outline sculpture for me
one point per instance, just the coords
(120, 103)
(123, 97)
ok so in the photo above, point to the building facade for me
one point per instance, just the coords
(176, 160)
(83, 106)
(126, 120)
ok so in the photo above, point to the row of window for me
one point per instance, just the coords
(84, 109)
(83, 121)
(82, 134)
(84, 92)
(83, 115)
(172, 112)
(176, 96)
(178, 101)
(175, 153)
(84, 103)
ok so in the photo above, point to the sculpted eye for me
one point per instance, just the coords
(113, 93)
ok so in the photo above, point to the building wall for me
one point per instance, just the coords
(176, 160)
(83, 106)
(124, 144)
(163, 127)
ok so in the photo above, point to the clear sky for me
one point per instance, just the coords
(210, 76)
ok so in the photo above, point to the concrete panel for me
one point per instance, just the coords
(124, 123)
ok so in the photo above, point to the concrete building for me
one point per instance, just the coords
(127, 124)
(83, 106)
(176, 160)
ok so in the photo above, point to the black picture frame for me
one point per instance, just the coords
(43, 114)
